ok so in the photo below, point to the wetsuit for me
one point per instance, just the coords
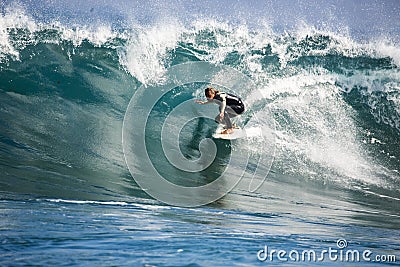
(230, 105)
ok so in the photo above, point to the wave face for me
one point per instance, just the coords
(331, 88)
(64, 91)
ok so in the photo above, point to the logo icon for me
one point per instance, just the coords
(157, 122)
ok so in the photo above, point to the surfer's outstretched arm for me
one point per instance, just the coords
(203, 102)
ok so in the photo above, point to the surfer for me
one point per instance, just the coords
(229, 106)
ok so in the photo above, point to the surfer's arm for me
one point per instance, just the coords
(223, 105)
(203, 102)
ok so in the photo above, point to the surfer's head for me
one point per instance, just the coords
(210, 92)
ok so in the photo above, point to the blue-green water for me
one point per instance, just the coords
(68, 198)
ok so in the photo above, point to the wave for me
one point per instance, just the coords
(64, 90)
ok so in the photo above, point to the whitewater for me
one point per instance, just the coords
(74, 83)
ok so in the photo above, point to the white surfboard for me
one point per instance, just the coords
(238, 133)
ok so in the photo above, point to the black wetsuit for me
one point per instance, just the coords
(230, 105)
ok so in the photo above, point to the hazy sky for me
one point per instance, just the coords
(361, 16)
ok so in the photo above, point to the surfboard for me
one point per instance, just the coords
(238, 133)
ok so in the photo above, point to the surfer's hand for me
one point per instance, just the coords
(199, 101)
(221, 115)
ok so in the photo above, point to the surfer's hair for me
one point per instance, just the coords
(210, 90)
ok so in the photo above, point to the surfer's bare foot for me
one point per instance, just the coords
(227, 131)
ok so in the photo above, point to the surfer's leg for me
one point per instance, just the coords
(227, 120)
(228, 123)
(218, 120)
(233, 111)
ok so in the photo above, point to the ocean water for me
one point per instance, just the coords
(74, 81)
